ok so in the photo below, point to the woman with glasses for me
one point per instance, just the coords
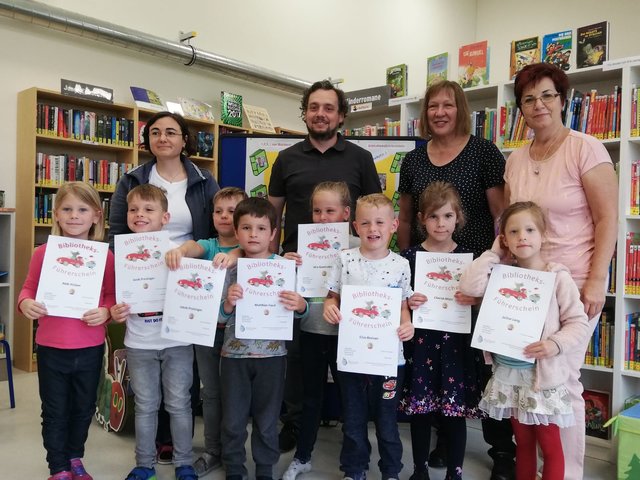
(475, 167)
(571, 176)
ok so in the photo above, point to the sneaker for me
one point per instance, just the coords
(296, 468)
(423, 475)
(142, 473)
(288, 437)
(357, 476)
(186, 472)
(207, 463)
(64, 475)
(77, 470)
(164, 455)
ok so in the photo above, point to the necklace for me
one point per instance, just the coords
(171, 179)
(545, 156)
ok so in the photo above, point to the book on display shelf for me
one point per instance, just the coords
(196, 109)
(397, 79)
(437, 68)
(523, 52)
(473, 64)
(556, 49)
(592, 44)
(597, 411)
(205, 144)
(145, 98)
(231, 109)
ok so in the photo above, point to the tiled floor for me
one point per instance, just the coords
(110, 456)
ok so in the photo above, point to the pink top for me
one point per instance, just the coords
(558, 189)
(61, 332)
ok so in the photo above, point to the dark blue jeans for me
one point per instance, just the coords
(373, 397)
(318, 352)
(68, 382)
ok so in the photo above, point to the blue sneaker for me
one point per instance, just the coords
(142, 473)
(186, 472)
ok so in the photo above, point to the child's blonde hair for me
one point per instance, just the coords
(377, 200)
(86, 194)
(437, 195)
(339, 188)
(531, 207)
(150, 193)
(230, 192)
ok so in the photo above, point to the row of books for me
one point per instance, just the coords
(513, 129)
(632, 264)
(635, 111)
(634, 190)
(390, 128)
(43, 208)
(484, 124)
(83, 125)
(613, 267)
(593, 113)
(413, 127)
(632, 341)
(53, 170)
(600, 348)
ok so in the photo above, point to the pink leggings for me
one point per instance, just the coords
(548, 437)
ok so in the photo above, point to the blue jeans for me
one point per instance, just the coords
(154, 373)
(318, 352)
(208, 359)
(375, 397)
(68, 383)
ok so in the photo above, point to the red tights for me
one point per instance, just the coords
(548, 437)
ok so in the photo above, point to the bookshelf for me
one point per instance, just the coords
(7, 281)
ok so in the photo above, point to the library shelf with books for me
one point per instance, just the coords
(7, 275)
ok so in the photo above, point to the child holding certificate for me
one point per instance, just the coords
(372, 264)
(441, 378)
(157, 365)
(330, 203)
(70, 350)
(533, 395)
(252, 371)
(208, 358)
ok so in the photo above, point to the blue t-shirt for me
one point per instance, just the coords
(212, 247)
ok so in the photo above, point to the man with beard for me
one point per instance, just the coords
(323, 155)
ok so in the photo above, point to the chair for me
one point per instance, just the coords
(7, 351)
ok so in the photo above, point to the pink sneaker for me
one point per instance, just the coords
(77, 470)
(64, 475)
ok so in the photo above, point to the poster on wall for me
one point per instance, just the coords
(261, 154)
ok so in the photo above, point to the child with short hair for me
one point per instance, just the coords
(441, 379)
(252, 371)
(330, 203)
(70, 350)
(159, 367)
(371, 264)
(533, 395)
(208, 358)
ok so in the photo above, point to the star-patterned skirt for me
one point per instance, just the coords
(442, 375)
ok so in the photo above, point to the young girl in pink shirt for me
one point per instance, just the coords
(70, 350)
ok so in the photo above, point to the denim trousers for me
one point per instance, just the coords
(251, 387)
(318, 353)
(153, 373)
(373, 397)
(68, 383)
(208, 359)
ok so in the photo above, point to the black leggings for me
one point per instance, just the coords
(455, 433)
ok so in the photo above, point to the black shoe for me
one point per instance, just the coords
(424, 475)
(503, 467)
(438, 457)
(288, 437)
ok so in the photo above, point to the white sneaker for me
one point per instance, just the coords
(296, 468)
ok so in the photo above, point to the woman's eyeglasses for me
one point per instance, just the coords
(546, 98)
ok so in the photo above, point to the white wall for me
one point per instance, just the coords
(501, 21)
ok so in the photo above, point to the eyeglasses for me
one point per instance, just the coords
(170, 134)
(546, 98)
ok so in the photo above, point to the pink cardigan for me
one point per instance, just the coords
(566, 324)
(62, 332)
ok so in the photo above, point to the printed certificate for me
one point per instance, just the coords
(192, 302)
(367, 337)
(437, 277)
(141, 272)
(260, 315)
(71, 278)
(513, 311)
(319, 245)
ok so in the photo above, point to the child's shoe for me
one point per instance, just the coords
(296, 468)
(186, 472)
(142, 473)
(206, 463)
(357, 476)
(77, 470)
(422, 475)
(64, 475)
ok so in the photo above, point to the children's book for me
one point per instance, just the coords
(147, 98)
(473, 64)
(556, 49)
(205, 144)
(437, 68)
(523, 52)
(397, 80)
(231, 109)
(196, 109)
(592, 44)
(597, 410)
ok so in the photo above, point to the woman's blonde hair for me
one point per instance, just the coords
(86, 194)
